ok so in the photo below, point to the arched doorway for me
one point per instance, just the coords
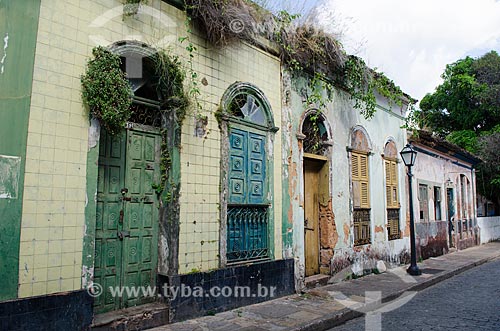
(127, 214)
(319, 223)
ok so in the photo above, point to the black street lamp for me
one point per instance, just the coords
(408, 154)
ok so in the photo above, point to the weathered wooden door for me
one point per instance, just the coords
(127, 216)
(311, 216)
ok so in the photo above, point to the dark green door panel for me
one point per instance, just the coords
(141, 213)
(108, 247)
(127, 216)
(18, 32)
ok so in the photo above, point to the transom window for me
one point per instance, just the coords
(248, 108)
(315, 134)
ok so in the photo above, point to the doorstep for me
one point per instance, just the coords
(133, 318)
(316, 281)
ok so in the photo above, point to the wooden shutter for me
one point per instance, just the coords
(360, 180)
(391, 184)
(355, 167)
(388, 188)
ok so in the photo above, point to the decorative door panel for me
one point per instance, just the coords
(126, 216)
(110, 180)
(238, 158)
(247, 220)
(257, 169)
(247, 168)
(141, 212)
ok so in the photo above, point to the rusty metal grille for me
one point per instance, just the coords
(145, 112)
(362, 234)
(393, 224)
(247, 233)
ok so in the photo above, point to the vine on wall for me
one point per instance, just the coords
(106, 90)
(108, 95)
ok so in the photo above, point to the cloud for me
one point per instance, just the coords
(413, 42)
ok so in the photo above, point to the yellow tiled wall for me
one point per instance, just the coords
(200, 157)
(55, 184)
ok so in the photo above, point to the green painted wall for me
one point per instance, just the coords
(18, 32)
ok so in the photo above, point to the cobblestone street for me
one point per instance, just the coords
(469, 301)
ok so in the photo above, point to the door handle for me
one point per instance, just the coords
(123, 234)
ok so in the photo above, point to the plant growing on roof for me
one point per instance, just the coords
(303, 48)
(106, 90)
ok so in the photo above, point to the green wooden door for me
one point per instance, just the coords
(127, 216)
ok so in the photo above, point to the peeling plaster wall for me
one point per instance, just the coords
(435, 169)
(341, 117)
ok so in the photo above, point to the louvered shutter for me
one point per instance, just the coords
(360, 180)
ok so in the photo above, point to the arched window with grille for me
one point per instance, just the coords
(247, 131)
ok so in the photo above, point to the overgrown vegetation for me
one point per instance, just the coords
(106, 90)
(303, 48)
(108, 95)
(169, 76)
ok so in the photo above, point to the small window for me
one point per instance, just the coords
(437, 202)
(423, 199)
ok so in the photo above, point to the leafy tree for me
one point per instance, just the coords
(465, 109)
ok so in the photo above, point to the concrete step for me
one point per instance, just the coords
(134, 318)
(316, 280)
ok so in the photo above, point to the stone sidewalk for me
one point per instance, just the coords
(325, 307)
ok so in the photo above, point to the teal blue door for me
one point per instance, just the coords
(247, 227)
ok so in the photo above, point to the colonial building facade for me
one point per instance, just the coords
(264, 188)
(446, 192)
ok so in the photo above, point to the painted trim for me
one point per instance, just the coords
(390, 112)
(437, 156)
(88, 250)
(18, 40)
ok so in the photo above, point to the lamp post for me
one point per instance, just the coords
(408, 154)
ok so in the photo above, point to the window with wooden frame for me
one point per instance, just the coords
(437, 203)
(392, 198)
(361, 197)
(423, 202)
(360, 179)
(392, 190)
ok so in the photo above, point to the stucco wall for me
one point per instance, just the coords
(53, 217)
(435, 169)
(341, 119)
(489, 228)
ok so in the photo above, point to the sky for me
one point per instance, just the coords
(411, 42)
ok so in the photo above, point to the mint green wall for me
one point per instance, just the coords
(18, 32)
